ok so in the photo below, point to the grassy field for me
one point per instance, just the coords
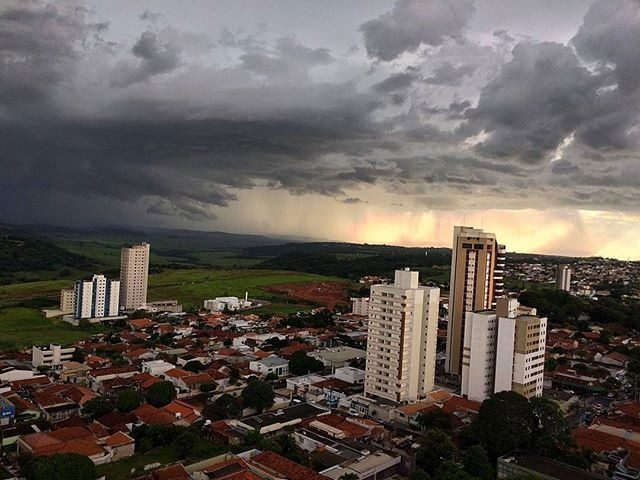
(11, 295)
(24, 327)
(191, 287)
(109, 254)
(122, 469)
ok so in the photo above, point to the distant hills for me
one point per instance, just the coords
(44, 252)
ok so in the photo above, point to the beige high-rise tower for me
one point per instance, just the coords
(402, 337)
(134, 273)
(477, 278)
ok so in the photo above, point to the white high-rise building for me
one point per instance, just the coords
(503, 350)
(563, 278)
(134, 274)
(402, 336)
(97, 298)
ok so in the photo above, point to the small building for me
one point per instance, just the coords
(276, 365)
(337, 357)
(518, 466)
(50, 355)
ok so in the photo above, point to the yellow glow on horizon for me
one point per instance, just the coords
(379, 220)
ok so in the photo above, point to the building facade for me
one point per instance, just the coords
(134, 274)
(477, 279)
(402, 336)
(360, 306)
(50, 355)
(563, 278)
(67, 300)
(503, 351)
(97, 298)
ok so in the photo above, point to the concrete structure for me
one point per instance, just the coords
(401, 343)
(273, 364)
(157, 367)
(134, 274)
(360, 306)
(50, 355)
(477, 279)
(503, 350)
(170, 306)
(220, 304)
(336, 357)
(350, 375)
(96, 298)
(524, 465)
(67, 300)
(563, 278)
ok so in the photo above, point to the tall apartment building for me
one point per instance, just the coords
(477, 279)
(97, 298)
(67, 300)
(134, 273)
(563, 278)
(401, 340)
(503, 350)
(360, 306)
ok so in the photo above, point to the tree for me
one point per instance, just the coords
(78, 355)
(98, 406)
(451, 471)
(550, 432)
(503, 423)
(160, 394)
(349, 476)
(301, 364)
(271, 377)
(551, 364)
(185, 442)
(194, 366)
(208, 387)
(128, 400)
(224, 407)
(435, 419)
(258, 394)
(477, 463)
(419, 474)
(435, 448)
(69, 466)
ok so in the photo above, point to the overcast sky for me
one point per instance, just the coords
(365, 121)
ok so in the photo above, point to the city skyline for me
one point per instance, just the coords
(384, 122)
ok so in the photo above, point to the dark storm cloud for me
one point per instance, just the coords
(542, 95)
(289, 60)
(154, 57)
(38, 49)
(412, 23)
(610, 36)
(448, 74)
(147, 124)
(396, 82)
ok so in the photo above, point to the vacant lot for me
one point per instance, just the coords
(327, 293)
(24, 327)
(192, 287)
(134, 466)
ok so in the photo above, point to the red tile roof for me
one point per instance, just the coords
(291, 470)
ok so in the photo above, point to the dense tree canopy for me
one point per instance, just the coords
(128, 400)
(224, 407)
(435, 448)
(160, 394)
(258, 394)
(67, 466)
(97, 407)
(302, 364)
